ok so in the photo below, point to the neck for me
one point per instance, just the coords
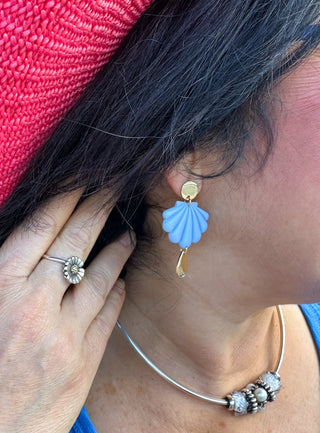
(197, 329)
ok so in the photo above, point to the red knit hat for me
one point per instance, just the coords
(50, 50)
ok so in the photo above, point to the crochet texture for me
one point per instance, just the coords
(49, 51)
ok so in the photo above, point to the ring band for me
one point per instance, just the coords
(73, 269)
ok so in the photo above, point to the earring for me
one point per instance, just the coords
(185, 222)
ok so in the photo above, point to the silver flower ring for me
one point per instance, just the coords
(73, 269)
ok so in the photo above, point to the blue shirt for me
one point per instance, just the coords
(83, 423)
(312, 315)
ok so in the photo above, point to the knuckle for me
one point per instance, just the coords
(100, 284)
(109, 277)
(43, 223)
(106, 320)
(105, 324)
(77, 238)
(12, 267)
(10, 274)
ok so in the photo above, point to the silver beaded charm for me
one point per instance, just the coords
(255, 396)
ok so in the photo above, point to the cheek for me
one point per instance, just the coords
(272, 221)
(294, 173)
(288, 193)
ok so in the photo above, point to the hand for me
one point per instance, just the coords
(53, 335)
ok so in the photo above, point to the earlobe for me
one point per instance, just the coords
(180, 174)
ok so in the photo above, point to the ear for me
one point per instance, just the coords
(180, 174)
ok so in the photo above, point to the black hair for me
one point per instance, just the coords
(190, 75)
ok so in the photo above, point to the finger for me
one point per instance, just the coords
(25, 246)
(85, 300)
(75, 239)
(98, 334)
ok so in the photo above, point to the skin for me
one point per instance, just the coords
(216, 330)
(52, 339)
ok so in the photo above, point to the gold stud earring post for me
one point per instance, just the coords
(189, 190)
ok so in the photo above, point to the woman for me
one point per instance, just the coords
(223, 94)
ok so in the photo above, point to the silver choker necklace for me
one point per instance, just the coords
(250, 399)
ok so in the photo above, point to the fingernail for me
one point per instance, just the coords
(127, 240)
(120, 286)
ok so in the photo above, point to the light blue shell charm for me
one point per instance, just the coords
(185, 222)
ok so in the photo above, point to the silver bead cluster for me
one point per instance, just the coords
(256, 395)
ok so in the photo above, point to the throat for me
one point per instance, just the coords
(137, 397)
(197, 356)
(251, 399)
